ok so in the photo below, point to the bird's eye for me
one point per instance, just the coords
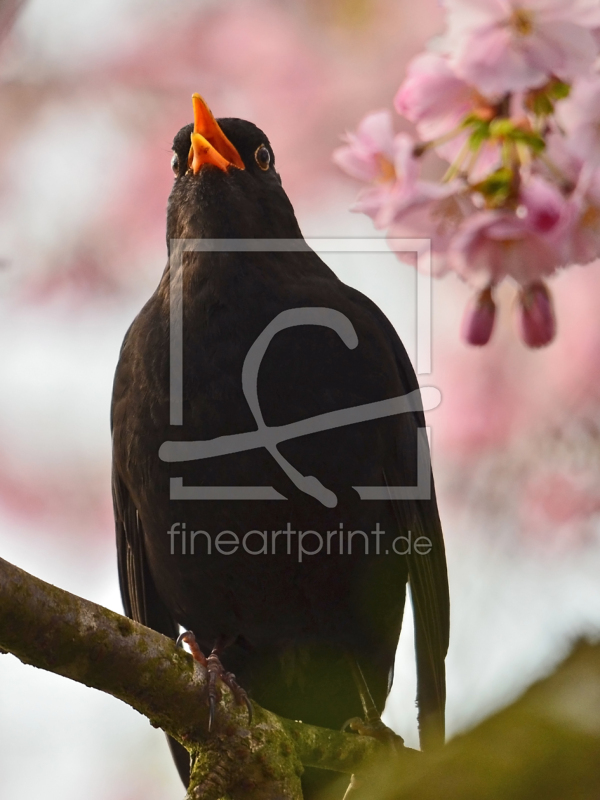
(263, 157)
(175, 163)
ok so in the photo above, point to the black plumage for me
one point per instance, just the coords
(285, 627)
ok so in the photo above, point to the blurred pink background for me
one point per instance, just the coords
(91, 95)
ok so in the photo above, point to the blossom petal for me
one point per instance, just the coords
(536, 320)
(433, 96)
(369, 148)
(478, 320)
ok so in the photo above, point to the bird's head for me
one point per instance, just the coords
(226, 185)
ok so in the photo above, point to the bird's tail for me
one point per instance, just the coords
(428, 580)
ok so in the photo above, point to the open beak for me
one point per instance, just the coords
(209, 143)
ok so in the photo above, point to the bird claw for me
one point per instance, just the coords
(376, 729)
(216, 672)
(211, 711)
(241, 698)
(249, 708)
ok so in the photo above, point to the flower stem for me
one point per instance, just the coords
(447, 137)
(566, 183)
(473, 159)
(454, 168)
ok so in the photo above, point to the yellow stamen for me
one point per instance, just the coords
(521, 21)
(387, 171)
(591, 218)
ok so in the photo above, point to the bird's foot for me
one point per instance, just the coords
(216, 673)
(359, 788)
(376, 729)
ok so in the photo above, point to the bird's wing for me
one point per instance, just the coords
(140, 598)
(428, 576)
(138, 592)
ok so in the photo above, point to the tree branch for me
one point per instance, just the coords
(546, 744)
(65, 634)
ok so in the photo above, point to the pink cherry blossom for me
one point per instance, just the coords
(566, 166)
(434, 97)
(578, 231)
(478, 320)
(521, 197)
(368, 154)
(436, 220)
(478, 165)
(579, 115)
(584, 220)
(396, 186)
(392, 196)
(536, 322)
(503, 46)
(543, 207)
(437, 101)
(491, 245)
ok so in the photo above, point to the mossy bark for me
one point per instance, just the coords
(545, 745)
(57, 631)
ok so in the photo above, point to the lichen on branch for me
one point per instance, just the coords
(54, 630)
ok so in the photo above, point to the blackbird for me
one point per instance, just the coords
(247, 509)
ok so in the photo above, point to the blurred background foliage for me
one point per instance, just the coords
(546, 745)
(91, 95)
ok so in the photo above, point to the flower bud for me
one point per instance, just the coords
(536, 322)
(478, 321)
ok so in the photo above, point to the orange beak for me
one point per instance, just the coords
(209, 143)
